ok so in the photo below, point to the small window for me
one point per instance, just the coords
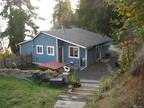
(73, 52)
(50, 50)
(39, 49)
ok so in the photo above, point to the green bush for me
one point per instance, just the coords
(74, 78)
(107, 82)
(6, 54)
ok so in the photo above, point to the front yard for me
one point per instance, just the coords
(16, 93)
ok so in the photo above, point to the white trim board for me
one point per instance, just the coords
(52, 54)
(57, 51)
(39, 53)
(51, 36)
(64, 40)
(69, 52)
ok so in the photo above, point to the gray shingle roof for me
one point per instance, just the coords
(79, 36)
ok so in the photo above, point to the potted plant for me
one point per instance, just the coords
(74, 80)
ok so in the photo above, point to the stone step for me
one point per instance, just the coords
(82, 93)
(89, 85)
(69, 104)
(92, 90)
(89, 81)
(79, 98)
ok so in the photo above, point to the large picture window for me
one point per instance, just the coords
(73, 52)
(39, 49)
(50, 50)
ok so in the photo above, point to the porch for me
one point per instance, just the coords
(94, 72)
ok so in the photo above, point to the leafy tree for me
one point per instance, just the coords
(95, 16)
(19, 14)
(62, 13)
(133, 12)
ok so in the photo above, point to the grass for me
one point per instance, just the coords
(16, 93)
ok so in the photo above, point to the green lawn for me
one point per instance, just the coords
(16, 93)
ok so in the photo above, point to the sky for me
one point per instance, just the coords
(45, 11)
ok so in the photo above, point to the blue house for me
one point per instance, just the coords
(75, 45)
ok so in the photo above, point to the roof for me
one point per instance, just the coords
(78, 36)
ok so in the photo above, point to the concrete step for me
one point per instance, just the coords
(82, 93)
(79, 98)
(91, 90)
(89, 81)
(69, 104)
(84, 85)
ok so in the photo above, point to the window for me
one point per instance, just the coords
(39, 49)
(50, 50)
(73, 52)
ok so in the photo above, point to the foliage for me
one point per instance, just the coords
(6, 54)
(25, 94)
(108, 81)
(126, 55)
(74, 78)
(50, 72)
(18, 18)
(132, 12)
(96, 16)
(62, 14)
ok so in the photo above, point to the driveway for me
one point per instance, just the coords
(94, 72)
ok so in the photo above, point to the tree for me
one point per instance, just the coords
(93, 15)
(18, 18)
(133, 12)
(62, 14)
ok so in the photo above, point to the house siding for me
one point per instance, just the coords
(68, 59)
(26, 48)
(91, 56)
(104, 50)
(44, 40)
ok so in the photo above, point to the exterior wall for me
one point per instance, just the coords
(91, 56)
(45, 41)
(26, 48)
(104, 49)
(67, 59)
(30, 47)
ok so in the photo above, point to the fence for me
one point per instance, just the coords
(16, 61)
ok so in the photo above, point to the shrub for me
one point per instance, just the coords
(74, 78)
(107, 82)
(6, 54)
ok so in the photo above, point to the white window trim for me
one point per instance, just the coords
(53, 50)
(69, 52)
(40, 53)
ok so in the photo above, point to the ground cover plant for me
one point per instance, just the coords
(16, 93)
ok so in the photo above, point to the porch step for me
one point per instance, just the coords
(75, 97)
(69, 104)
(89, 81)
(86, 89)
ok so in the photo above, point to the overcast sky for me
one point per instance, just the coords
(45, 11)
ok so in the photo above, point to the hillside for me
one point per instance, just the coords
(126, 90)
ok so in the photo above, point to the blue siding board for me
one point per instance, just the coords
(91, 56)
(26, 48)
(104, 50)
(45, 40)
(42, 39)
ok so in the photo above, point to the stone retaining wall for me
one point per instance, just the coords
(21, 74)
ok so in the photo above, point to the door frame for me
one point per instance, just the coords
(98, 51)
(61, 54)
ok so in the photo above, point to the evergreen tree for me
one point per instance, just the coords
(62, 14)
(18, 18)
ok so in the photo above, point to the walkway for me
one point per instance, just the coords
(94, 72)
(78, 97)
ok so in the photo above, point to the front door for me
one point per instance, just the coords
(98, 52)
(61, 55)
